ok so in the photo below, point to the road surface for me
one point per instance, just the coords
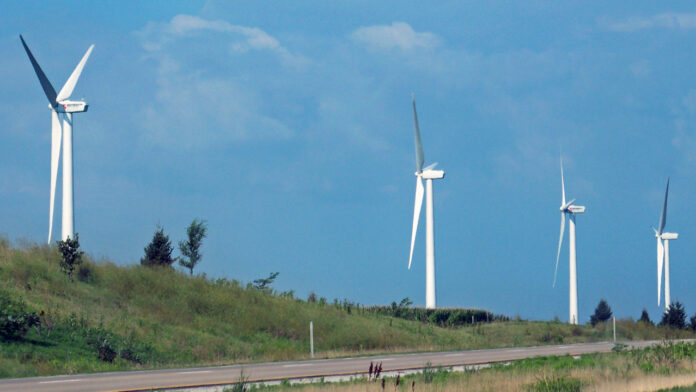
(273, 371)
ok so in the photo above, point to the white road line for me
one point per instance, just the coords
(298, 365)
(57, 381)
(454, 355)
(195, 371)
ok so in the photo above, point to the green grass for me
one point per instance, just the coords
(691, 388)
(154, 317)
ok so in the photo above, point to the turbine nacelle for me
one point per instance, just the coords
(669, 236)
(70, 107)
(576, 209)
(429, 174)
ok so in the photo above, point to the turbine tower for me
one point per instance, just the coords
(663, 251)
(429, 175)
(61, 106)
(567, 208)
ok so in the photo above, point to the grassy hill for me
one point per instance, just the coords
(116, 318)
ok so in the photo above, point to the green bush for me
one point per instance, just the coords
(85, 273)
(15, 319)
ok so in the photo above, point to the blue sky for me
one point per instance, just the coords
(288, 127)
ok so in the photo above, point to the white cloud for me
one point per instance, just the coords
(199, 102)
(668, 20)
(398, 35)
(192, 112)
(243, 38)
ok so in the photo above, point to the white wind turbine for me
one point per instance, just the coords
(663, 251)
(567, 208)
(429, 175)
(61, 106)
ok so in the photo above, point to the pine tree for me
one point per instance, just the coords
(675, 316)
(190, 249)
(159, 251)
(601, 314)
(645, 317)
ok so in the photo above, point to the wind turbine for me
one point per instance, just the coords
(663, 251)
(61, 106)
(567, 208)
(429, 175)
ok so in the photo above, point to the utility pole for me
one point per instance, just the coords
(614, 322)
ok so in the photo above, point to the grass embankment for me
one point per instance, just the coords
(136, 317)
(650, 369)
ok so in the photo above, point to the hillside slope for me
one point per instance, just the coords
(115, 318)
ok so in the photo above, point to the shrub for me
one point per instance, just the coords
(85, 273)
(312, 297)
(107, 353)
(439, 317)
(15, 319)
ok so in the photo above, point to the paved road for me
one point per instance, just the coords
(160, 379)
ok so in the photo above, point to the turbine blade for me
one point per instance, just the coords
(560, 242)
(56, 134)
(45, 84)
(69, 86)
(420, 157)
(431, 166)
(416, 215)
(660, 259)
(563, 202)
(663, 216)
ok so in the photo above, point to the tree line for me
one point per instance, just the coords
(674, 316)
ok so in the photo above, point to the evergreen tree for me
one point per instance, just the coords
(692, 323)
(645, 317)
(71, 256)
(159, 251)
(601, 314)
(675, 316)
(190, 249)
